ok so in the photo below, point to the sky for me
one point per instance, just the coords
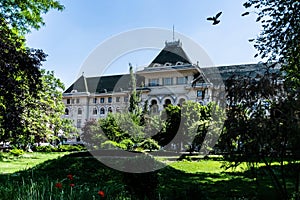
(71, 36)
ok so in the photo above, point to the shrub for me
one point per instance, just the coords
(149, 144)
(47, 149)
(16, 152)
(69, 148)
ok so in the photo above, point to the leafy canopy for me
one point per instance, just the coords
(22, 15)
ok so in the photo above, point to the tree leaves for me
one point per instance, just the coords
(24, 15)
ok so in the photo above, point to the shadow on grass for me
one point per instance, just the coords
(90, 176)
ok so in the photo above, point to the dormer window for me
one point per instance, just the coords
(179, 63)
(168, 64)
(156, 65)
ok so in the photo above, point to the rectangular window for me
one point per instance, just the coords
(109, 99)
(78, 123)
(95, 111)
(68, 101)
(77, 101)
(167, 81)
(126, 99)
(95, 100)
(182, 80)
(199, 93)
(117, 99)
(73, 101)
(101, 100)
(153, 82)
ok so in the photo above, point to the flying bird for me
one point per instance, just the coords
(215, 18)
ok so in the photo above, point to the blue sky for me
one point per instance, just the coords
(70, 36)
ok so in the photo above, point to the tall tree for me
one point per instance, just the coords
(134, 99)
(263, 112)
(20, 80)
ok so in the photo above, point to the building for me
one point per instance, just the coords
(171, 78)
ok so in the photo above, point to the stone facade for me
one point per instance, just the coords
(169, 78)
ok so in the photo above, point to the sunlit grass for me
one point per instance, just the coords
(179, 180)
(11, 164)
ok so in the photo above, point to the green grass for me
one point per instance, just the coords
(203, 179)
(11, 164)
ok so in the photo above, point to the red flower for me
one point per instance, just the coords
(101, 193)
(58, 185)
(72, 184)
(70, 176)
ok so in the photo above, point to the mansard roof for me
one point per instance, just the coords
(117, 83)
(222, 73)
(171, 54)
(103, 84)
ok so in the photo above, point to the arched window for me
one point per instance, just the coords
(102, 111)
(95, 111)
(167, 102)
(79, 112)
(67, 111)
(181, 101)
(154, 106)
(109, 109)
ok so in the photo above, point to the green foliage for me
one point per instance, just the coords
(125, 144)
(195, 126)
(171, 118)
(46, 148)
(279, 40)
(149, 144)
(43, 120)
(256, 128)
(23, 15)
(17, 152)
(60, 148)
(92, 135)
(263, 115)
(21, 80)
(70, 148)
(30, 98)
(134, 99)
(181, 180)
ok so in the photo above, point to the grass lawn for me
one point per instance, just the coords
(204, 179)
(11, 164)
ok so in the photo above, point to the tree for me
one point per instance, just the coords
(263, 112)
(201, 126)
(134, 99)
(20, 80)
(24, 101)
(43, 118)
(279, 40)
(256, 130)
(22, 15)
